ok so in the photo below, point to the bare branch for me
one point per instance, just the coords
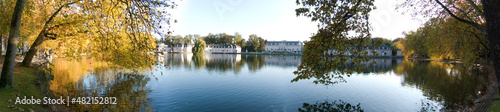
(478, 11)
(465, 13)
(481, 28)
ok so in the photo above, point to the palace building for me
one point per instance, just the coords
(285, 46)
(210, 48)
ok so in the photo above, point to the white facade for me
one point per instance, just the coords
(381, 50)
(284, 46)
(225, 48)
(211, 48)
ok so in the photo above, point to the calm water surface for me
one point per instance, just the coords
(262, 83)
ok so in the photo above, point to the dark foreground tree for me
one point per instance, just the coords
(7, 78)
(342, 24)
(492, 14)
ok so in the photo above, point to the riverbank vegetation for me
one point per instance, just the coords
(25, 85)
(445, 38)
(112, 31)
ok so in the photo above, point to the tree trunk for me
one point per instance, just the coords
(492, 15)
(1, 45)
(41, 37)
(34, 47)
(7, 77)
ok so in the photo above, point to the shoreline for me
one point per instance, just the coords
(43, 82)
(484, 102)
(260, 53)
(29, 82)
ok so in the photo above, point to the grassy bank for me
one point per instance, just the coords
(495, 106)
(25, 85)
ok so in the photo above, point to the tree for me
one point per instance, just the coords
(187, 39)
(199, 46)
(444, 38)
(225, 38)
(29, 20)
(253, 43)
(5, 8)
(7, 77)
(342, 24)
(191, 37)
(172, 40)
(74, 21)
(242, 43)
(492, 16)
(237, 39)
(262, 44)
(482, 16)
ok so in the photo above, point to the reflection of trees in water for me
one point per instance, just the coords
(453, 85)
(92, 77)
(199, 61)
(239, 65)
(428, 106)
(129, 89)
(381, 66)
(228, 62)
(255, 62)
(221, 62)
(178, 60)
(282, 60)
(216, 62)
(335, 106)
(331, 70)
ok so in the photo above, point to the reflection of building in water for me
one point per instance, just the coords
(231, 58)
(382, 64)
(177, 59)
(283, 61)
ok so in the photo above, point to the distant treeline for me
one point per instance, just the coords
(253, 44)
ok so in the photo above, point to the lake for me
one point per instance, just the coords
(263, 83)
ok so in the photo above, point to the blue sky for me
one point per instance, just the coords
(273, 19)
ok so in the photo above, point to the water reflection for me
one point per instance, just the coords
(335, 106)
(90, 78)
(283, 61)
(219, 63)
(333, 74)
(453, 85)
(443, 86)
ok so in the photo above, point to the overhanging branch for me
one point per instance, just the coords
(475, 25)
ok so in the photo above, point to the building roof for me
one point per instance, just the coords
(283, 41)
(184, 44)
(372, 46)
(225, 45)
